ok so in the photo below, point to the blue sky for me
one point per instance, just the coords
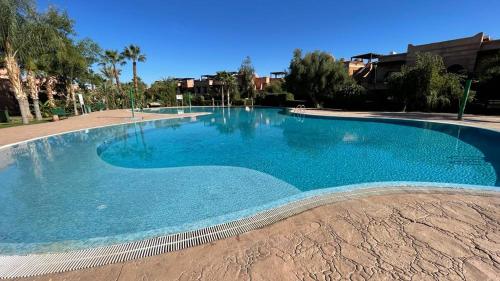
(187, 38)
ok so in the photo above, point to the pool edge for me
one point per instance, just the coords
(39, 264)
(132, 122)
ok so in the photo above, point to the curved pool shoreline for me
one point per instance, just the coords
(13, 266)
(189, 115)
(40, 248)
(70, 243)
(157, 241)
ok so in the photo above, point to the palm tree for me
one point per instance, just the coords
(108, 74)
(133, 53)
(226, 79)
(33, 87)
(18, 38)
(113, 58)
(50, 82)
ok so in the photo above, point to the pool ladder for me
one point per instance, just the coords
(300, 108)
(298, 112)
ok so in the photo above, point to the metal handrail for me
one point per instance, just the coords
(298, 113)
(300, 108)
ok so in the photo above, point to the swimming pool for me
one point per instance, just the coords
(129, 182)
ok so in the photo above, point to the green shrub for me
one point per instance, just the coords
(427, 85)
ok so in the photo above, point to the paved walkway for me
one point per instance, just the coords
(482, 121)
(94, 119)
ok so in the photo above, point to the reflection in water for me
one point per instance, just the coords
(74, 186)
(332, 151)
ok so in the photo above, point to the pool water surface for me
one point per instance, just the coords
(127, 182)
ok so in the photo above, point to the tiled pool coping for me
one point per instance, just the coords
(38, 264)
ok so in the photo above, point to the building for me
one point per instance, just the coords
(261, 82)
(209, 85)
(353, 66)
(185, 85)
(459, 56)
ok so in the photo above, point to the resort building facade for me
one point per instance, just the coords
(459, 56)
(209, 84)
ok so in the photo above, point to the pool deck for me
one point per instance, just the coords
(418, 236)
(94, 119)
(481, 121)
(414, 235)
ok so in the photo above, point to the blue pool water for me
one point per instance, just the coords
(129, 182)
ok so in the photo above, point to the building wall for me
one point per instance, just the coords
(460, 52)
(353, 66)
(261, 82)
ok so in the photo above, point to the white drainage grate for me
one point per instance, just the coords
(32, 265)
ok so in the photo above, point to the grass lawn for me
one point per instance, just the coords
(17, 121)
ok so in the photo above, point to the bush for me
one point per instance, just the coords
(488, 71)
(198, 100)
(275, 87)
(238, 102)
(274, 99)
(317, 77)
(426, 86)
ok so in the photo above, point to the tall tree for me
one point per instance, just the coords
(60, 28)
(72, 65)
(107, 74)
(317, 77)
(247, 73)
(19, 36)
(113, 58)
(133, 53)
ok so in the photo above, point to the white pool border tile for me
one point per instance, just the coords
(38, 264)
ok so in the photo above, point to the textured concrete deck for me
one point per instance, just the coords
(385, 237)
(94, 119)
(481, 121)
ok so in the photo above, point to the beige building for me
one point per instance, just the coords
(208, 84)
(261, 82)
(459, 56)
(185, 85)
